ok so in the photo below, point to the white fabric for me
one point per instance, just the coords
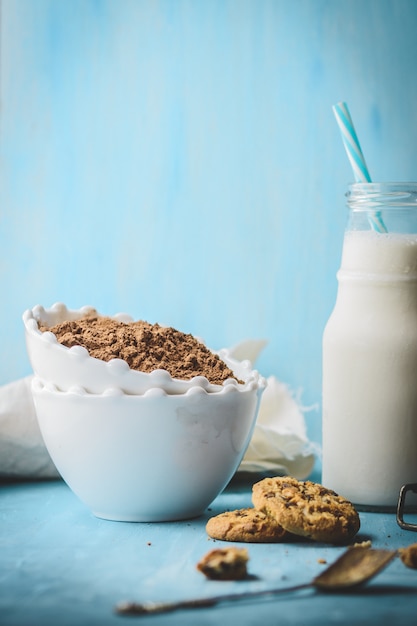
(22, 451)
(279, 444)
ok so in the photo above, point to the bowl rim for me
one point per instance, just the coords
(40, 386)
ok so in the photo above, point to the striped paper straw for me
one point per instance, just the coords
(355, 155)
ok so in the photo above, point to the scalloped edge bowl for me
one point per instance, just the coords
(71, 367)
(150, 458)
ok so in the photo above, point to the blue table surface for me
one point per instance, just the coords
(60, 565)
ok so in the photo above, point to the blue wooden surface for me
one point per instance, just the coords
(179, 160)
(61, 565)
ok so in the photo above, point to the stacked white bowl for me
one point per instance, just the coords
(135, 446)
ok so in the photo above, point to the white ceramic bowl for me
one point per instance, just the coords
(69, 367)
(148, 458)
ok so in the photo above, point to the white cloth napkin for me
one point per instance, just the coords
(279, 443)
(22, 451)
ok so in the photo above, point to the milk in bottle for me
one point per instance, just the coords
(370, 351)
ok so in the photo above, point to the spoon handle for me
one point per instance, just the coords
(149, 608)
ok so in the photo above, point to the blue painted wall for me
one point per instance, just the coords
(179, 160)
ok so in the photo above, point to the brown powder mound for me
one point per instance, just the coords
(145, 347)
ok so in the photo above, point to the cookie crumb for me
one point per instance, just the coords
(224, 564)
(362, 544)
(409, 555)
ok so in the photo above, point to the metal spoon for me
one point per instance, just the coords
(353, 568)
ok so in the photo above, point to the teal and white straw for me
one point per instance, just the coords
(351, 143)
(355, 155)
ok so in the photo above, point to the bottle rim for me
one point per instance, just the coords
(388, 194)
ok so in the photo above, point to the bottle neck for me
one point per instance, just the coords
(382, 207)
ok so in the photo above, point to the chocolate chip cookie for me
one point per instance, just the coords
(307, 509)
(248, 525)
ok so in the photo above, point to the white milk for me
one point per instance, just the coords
(370, 370)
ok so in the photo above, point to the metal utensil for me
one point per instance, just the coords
(411, 487)
(354, 567)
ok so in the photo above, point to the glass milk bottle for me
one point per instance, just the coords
(370, 350)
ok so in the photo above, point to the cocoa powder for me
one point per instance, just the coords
(144, 346)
